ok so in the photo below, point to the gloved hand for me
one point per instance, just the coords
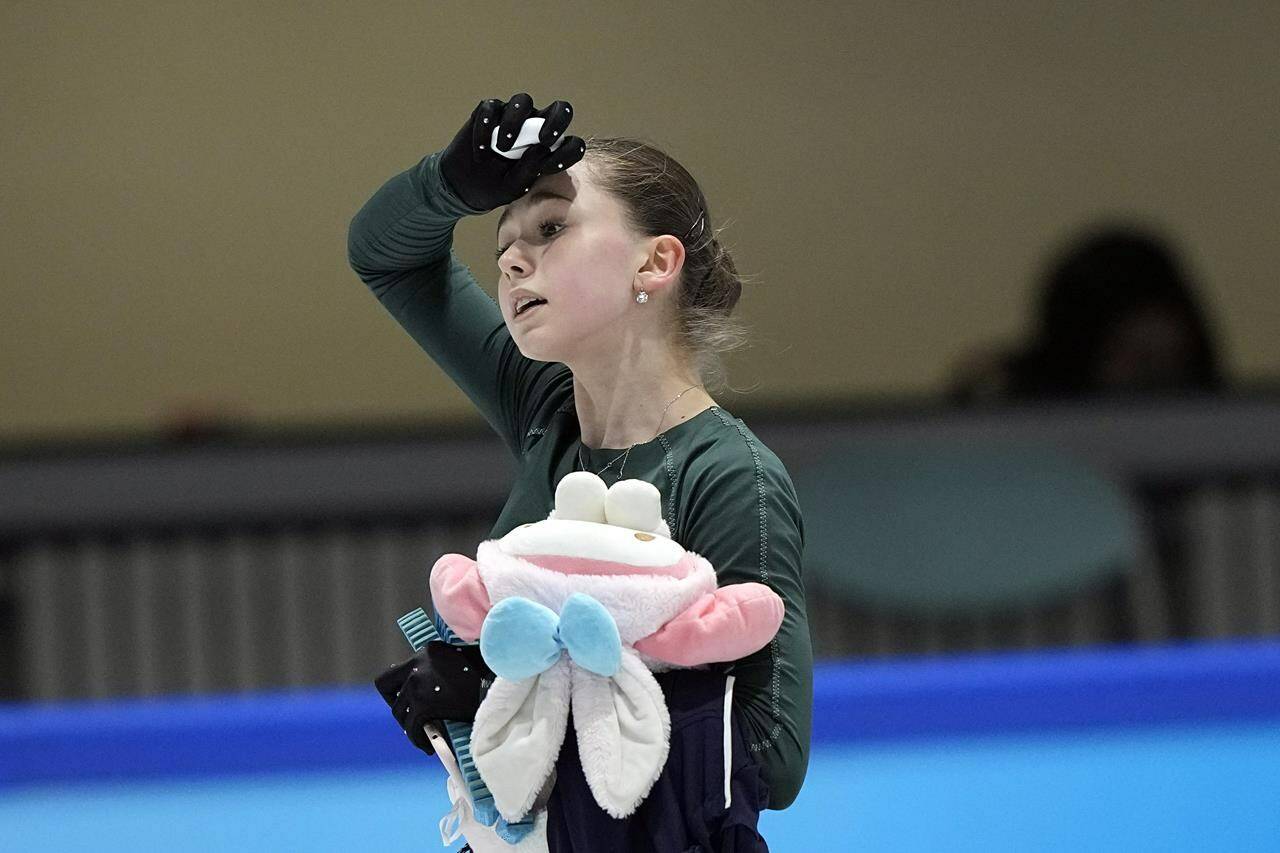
(485, 180)
(441, 682)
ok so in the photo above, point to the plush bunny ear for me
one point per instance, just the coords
(580, 496)
(517, 735)
(624, 732)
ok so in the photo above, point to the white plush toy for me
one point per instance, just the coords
(579, 610)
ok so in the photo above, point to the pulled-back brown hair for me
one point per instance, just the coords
(659, 196)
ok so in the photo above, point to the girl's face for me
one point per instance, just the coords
(565, 241)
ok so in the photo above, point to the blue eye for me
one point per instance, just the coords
(542, 226)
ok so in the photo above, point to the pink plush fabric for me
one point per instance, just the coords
(725, 625)
(459, 596)
(567, 565)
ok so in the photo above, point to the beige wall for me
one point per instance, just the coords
(177, 180)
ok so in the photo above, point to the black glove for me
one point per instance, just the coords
(441, 682)
(485, 180)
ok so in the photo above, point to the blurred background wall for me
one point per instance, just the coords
(178, 178)
(224, 469)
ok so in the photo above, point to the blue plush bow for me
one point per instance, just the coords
(521, 638)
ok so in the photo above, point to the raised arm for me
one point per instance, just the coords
(400, 244)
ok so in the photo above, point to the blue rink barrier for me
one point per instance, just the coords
(1124, 748)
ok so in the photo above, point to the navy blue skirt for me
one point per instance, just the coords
(686, 811)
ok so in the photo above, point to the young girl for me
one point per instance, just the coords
(613, 304)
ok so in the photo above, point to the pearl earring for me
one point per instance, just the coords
(642, 297)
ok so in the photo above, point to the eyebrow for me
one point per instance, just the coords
(537, 196)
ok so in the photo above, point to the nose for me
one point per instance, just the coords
(515, 261)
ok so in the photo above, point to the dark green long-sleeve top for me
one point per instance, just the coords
(725, 495)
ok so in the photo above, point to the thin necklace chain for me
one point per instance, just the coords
(623, 454)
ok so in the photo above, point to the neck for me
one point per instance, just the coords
(621, 403)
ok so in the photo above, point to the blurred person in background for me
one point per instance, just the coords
(1117, 316)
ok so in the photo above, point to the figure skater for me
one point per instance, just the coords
(613, 307)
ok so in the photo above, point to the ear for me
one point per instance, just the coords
(516, 738)
(661, 269)
(624, 733)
